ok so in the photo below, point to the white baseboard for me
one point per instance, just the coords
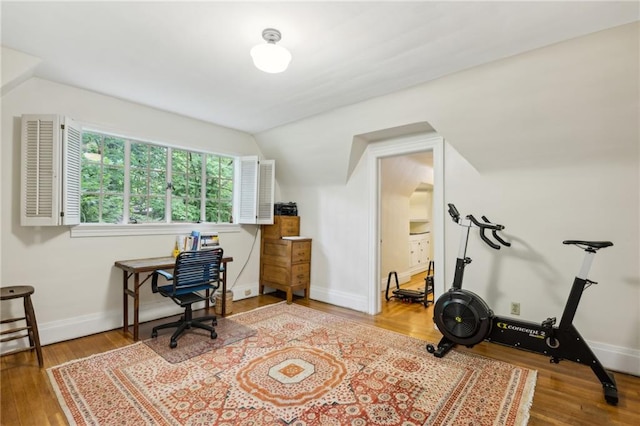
(85, 325)
(339, 298)
(72, 328)
(244, 291)
(616, 358)
(418, 269)
(403, 277)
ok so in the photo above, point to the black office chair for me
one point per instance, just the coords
(195, 271)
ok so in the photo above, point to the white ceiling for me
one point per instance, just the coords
(192, 58)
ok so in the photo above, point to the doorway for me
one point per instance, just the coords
(378, 151)
(406, 211)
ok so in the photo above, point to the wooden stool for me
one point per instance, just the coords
(24, 291)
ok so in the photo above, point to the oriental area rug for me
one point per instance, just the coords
(301, 367)
(196, 341)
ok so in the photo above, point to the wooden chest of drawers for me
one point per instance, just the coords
(285, 263)
(283, 226)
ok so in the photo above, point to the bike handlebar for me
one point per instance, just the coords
(454, 213)
(483, 226)
(495, 234)
(486, 225)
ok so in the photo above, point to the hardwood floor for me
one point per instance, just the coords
(566, 394)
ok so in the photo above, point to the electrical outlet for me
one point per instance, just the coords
(515, 308)
(247, 292)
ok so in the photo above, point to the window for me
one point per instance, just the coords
(121, 186)
(130, 181)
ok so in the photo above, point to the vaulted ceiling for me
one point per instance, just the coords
(192, 58)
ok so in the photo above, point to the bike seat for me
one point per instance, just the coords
(592, 244)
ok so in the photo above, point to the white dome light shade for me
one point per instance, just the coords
(270, 57)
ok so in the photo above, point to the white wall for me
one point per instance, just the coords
(545, 142)
(420, 205)
(78, 291)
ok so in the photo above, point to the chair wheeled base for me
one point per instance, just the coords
(187, 321)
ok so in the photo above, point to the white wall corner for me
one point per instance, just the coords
(358, 146)
(355, 302)
(17, 67)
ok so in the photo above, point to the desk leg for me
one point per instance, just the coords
(136, 306)
(224, 292)
(125, 302)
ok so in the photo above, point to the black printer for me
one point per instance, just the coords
(285, 209)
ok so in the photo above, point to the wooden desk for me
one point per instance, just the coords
(134, 267)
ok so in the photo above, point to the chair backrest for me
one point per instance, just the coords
(196, 270)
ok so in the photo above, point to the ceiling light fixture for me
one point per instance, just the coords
(269, 57)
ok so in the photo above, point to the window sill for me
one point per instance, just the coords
(113, 230)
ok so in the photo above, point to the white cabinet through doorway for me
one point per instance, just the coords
(419, 252)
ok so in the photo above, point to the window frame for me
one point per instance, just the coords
(166, 227)
(129, 229)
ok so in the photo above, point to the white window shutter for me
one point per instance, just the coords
(71, 172)
(265, 192)
(40, 170)
(248, 192)
(257, 182)
(50, 187)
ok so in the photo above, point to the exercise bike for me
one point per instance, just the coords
(465, 319)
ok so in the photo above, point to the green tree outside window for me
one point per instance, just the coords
(107, 182)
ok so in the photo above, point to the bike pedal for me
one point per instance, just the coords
(549, 322)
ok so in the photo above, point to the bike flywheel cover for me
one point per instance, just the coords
(462, 317)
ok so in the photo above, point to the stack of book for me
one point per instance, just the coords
(195, 241)
(209, 241)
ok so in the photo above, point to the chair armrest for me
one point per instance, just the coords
(154, 279)
(216, 284)
(219, 281)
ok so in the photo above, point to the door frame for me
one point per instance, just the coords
(391, 148)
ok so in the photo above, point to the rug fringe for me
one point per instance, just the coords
(527, 398)
(256, 309)
(94, 355)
